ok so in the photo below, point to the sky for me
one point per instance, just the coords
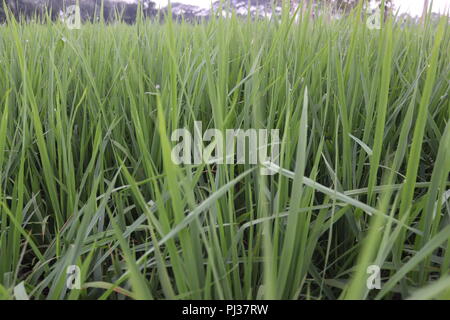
(413, 7)
(198, 3)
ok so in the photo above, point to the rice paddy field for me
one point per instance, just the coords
(361, 184)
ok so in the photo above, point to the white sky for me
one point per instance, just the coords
(198, 3)
(413, 7)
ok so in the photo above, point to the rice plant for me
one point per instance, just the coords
(362, 182)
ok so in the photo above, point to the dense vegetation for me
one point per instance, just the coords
(87, 178)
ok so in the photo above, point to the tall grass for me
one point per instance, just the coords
(87, 178)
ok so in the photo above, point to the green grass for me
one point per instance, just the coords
(87, 178)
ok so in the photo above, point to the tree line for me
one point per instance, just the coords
(89, 9)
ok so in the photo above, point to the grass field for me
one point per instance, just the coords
(87, 178)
